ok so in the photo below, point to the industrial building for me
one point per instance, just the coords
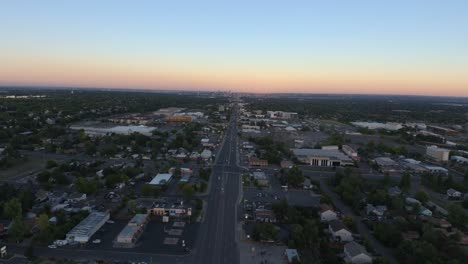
(82, 232)
(438, 154)
(375, 125)
(132, 231)
(161, 179)
(323, 157)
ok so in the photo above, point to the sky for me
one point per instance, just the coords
(358, 47)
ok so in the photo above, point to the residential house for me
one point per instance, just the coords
(424, 211)
(42, 196)
(410, 235)
(291, 255)
(307, 184)
(286, 164)
(356, 253)
(339, 232)
(327, 213)
(454, 194)
(378, 210)
(394, 191)
(76, 197)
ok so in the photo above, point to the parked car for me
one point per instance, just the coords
(52, 246)
(96, 241)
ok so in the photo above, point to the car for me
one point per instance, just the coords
(96, 241)
(52, 246)
(110, 221)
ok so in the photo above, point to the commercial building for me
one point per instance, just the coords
(206, 154)
(459, 159)
(350, 152)
(281, 115)
(261, 178)
(102, 129)
(436, 169)
(179, 118)
(387, 164)
(442, 130)
(256, 162)
(167, 207)
(323, 157)
(438, 154)
(133, 230)
(249, 128)
(161, 179)
(82, 232)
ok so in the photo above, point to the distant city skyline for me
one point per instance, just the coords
(346, 47)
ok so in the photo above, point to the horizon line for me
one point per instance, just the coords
(54, 87)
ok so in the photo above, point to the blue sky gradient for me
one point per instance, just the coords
(305, 46)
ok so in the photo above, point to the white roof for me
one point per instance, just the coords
(87, 227)
(330, 153)
(161, 178)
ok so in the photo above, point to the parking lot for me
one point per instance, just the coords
(158, 238)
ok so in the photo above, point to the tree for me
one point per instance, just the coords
(188, 190)
(51, 164)
(295, 177)
(132, 206)
(29, 253)
(388, 234)
(457, 215)
(264, 232)
(17, 229)
(43, 222)
(13, 209)
(280, 209)
(86, 186)
(177, 171)
(348, 221)
(422, 196)
(148, 190)
(405, 182)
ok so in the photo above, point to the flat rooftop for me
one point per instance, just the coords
(328, 153)
(161, 178)
(87, 225)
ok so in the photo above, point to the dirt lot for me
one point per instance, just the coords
(24, 168)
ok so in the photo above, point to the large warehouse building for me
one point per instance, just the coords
(132, 231)
(82, 232)
(323, 157)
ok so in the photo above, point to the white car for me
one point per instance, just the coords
(52, 246)
(110, 222)
(96, 241)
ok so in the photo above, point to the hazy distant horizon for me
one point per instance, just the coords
(162, 90)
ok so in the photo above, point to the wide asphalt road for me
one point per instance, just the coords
(216, 241)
